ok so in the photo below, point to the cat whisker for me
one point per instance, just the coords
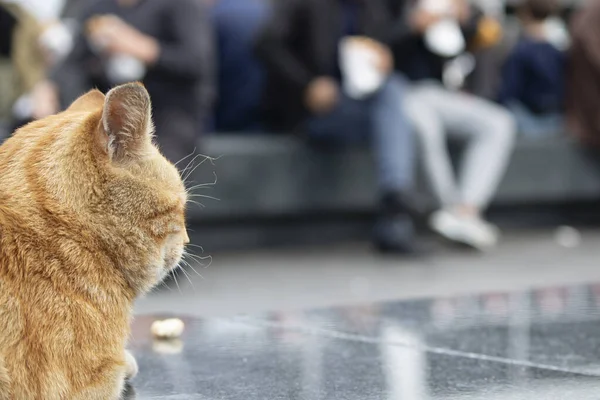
(184, 172)
(207, 185)
(195, 245)
(174, 273)
(204, 186)
(190, 172)
(200, 260)
(197, 273)
(163, 283)
(190, 163)
(204, 196)
(196, 203)
(194, 269)
(196, 257)
(187, 276)
(193, 151)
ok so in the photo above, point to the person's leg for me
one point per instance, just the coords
(489, 130)
(393, 137)
(380, 120)
(434, 147)
(347, 124)
(492, 134)
(393, 141)
(533, 126)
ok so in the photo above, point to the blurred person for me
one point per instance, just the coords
(240, 74)
(310, 91)
(488, 49)
(49, 43)
(583, 75)
(60, 29)
(165, 44)
(440, 34)
(43, 10)
(533, 79)
(22, 66)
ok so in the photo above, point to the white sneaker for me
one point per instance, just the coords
(481, 234)
(471, 231)
(447, 224)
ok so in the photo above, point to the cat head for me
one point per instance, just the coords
(92, 176)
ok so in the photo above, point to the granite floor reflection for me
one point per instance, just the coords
(288, 279)
(540, 344)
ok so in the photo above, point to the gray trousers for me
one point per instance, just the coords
(488, 129)
(380, 120)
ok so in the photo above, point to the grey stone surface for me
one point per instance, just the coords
(327, 275)
(522, 345)
(280, 175)
(520, 323)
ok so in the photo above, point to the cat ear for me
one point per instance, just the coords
(127, 121)
(92, 100)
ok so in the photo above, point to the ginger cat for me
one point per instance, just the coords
(91, 216)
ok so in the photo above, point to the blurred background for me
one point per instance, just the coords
(329, 145)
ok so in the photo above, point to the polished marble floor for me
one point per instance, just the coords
(306, 278)
(541, 344)
(340, 324)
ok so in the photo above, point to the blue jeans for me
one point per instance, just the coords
(379, 120)
(534, 126)
(241, 75)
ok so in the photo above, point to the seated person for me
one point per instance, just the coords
(583, 75)
(240, 74)
(22, 67)
(307, 92)
(533, 79)
(166, 45)
(438, 113)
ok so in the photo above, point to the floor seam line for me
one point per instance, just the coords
(429, 349)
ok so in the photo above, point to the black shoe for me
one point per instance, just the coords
(394, 203)
(396, 235)
(408, 248)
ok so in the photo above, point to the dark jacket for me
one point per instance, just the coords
(583, 76)
(416, 61)
(300, 43)
(534, 76)
(241, 75)
(22, 63)
(180, 83)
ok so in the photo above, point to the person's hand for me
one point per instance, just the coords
(115, 36)
(45, 100)
(56, 41)
(421, 20)
(322, 95)
(385, 59)
(462, 11)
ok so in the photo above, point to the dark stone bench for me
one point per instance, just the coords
(277, 176)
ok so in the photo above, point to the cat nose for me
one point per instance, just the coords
(186, 238)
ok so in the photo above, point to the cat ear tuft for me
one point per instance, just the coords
(91, 101)
(127, 120)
